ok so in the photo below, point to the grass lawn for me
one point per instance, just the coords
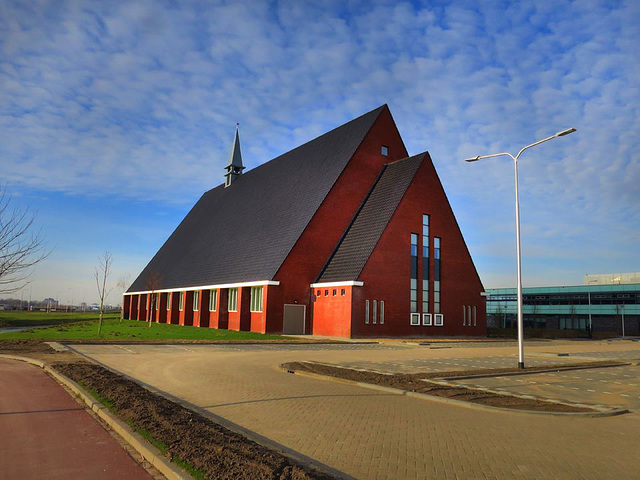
(127, 330)
(14, 318)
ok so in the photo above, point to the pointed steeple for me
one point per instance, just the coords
(234, 166)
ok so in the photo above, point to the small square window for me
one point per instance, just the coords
(384, 150)
(335, 292)
(326, 293)
(438, 320)
(415, 319)
(426, 319)
(319, 293)
(343, 292)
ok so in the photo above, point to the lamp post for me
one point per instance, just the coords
(518, 259)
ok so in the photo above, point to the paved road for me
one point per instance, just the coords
(375, 435)
(46, 434)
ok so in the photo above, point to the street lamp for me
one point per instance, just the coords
(515, 170)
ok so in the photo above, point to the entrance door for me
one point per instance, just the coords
(294, 319)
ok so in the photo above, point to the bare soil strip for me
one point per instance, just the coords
(207, 446)
(420, 383)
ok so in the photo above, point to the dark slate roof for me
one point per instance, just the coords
(366, 228)
(244, 232)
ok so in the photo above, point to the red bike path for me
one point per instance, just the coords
(46, 434)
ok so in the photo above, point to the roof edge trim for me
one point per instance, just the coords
(208, 287)
(337, 284)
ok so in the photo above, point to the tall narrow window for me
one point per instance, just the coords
(425, 263)
(464, 315)
(213, 300)
(232, 302)
(181, 302)
(414, 273)
(168, 300)
(381, 312)
(196, 300)
(375, 312)
(157, 301)
(366, 311)
(436, 275)
(475, 320)
(256, 299)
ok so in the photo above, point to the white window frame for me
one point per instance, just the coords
(438, 320)
(375, 312)
(181, 302)
(427, 320)
(381, 312)
(256, 299)
(157, 301)
(213, 299)
(464, 315)
(168, 301)
(232, 299)
(475, 318)
(366, 312)
(415, 320)
(196, 300)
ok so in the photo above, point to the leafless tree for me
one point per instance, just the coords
(101, 274)
(20, 247)
(123, 283)
(152, 284)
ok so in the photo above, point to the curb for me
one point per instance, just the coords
(533, 372)
(32, 361)
(144, 448)
(460, 403)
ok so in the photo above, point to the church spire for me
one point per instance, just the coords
(234, 166)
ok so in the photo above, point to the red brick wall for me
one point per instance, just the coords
(186, 315)
(162, 308)
(258, 319)
(386, 275)
(332, 314)
(316, 243)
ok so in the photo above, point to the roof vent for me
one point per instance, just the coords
(234, 167)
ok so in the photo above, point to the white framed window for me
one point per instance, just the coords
(375, 312)
(475, 319)
(213, 300)
(381, 312)
(196, 300)
(415, 319)
(438, 320)
(366, 311)
(426, 319)
(464, 315)
(232, 301)
(181, 302)
(256, 299)
(169, 301)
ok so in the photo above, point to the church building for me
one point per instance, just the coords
(345, 236)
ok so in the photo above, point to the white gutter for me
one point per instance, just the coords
(337, 284)
(208, 287)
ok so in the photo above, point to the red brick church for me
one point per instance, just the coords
(345, 236)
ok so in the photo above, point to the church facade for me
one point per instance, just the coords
(344, 236)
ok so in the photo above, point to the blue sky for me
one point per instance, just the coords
(116, 116)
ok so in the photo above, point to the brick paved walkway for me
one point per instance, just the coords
(374, 435)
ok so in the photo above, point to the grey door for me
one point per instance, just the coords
(293, 319)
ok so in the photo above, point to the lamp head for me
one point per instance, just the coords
(565, 132)
(473, 159)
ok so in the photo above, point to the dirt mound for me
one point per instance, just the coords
(206, 445)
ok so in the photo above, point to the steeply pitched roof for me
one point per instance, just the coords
(244, 232)
(235, 158)
(365, 230)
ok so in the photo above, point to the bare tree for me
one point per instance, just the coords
(101, 274)
(123, 283)
(20, 247)
(152, 284)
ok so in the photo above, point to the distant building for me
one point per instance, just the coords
(343, 236)
(606, 303)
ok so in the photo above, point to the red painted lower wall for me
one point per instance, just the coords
(332, 313)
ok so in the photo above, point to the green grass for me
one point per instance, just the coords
(131, 330)
(14, 318)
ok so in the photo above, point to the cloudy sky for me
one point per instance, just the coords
(116, 116)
